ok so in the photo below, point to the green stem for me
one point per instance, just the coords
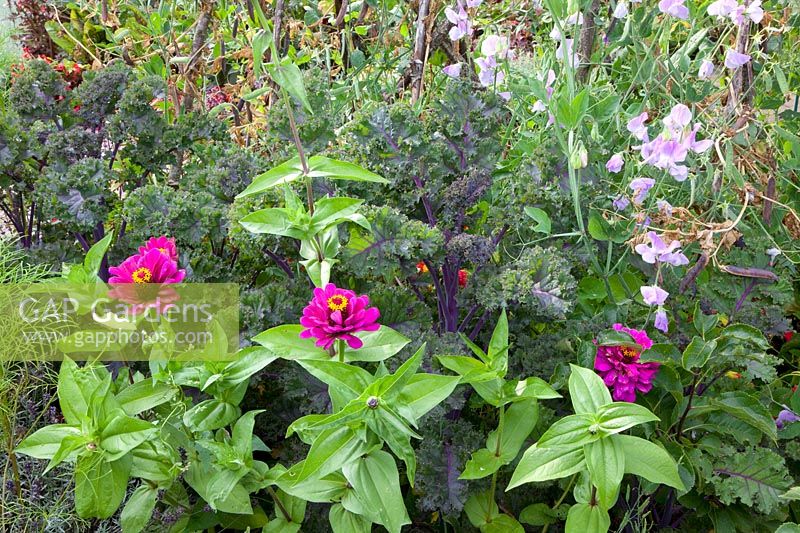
(340, 349)
(279, 505)
(561, 499)
(497, 449)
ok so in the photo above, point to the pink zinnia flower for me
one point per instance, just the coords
(336, 313)
(621, 370)
(152, 266)
(165, 245)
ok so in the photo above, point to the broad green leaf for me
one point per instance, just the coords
(392, 384)
(144, 395)
(698, 352)
(261, 43)
(619, 416)
(376, 483)
(242, 434)
(498, 344)
(481, 509)
(155, 461)
(503, 524)
(288, 76)
(343, 521)
(541, 514)
(286, 172)
(587, 390)
(94, 257)
(792, 494)
(285, 342)
(124, 433)
(349, 379)
(703, 323)
(137, 512)
(100, 486)
(210, 415)
(45, 442)
(650, 461)
(378, 345)
(482, 463)
(332, 449)
(585, 518)
(248, 361)
(572, 430)
(542, 219)
(328, 211)
(75, 387)
(274, 221)
(543, 464)
(323, 490)
(519, 420)
(606, 464)
(470, 369)
(324, 167)
(530, 388)
(394, 430)
(423, 392)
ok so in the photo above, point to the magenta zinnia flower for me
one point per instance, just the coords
(336, 313)
(165, 245)
(621, 370)
(153, 266)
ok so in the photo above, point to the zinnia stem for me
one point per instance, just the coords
(340, 349)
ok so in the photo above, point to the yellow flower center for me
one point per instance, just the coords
(163, 251)
(337, 302)
(629, 353)
(142, 275)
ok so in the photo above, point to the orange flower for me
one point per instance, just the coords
(422, 268)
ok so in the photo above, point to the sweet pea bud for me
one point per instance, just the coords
(579, 158)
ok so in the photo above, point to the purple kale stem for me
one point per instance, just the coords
(477, 329)
(743, 297)
(426, 203)
(440, 294)
(468, 317)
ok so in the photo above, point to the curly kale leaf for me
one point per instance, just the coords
(394, 238)
(756, 477)
(539, 280)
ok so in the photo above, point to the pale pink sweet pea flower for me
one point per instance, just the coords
(637, 127)
(653, 294)
(674, 8)
(495, 45)
(454, 70)
(706, 70)
(566, 50)
(659, 251)
(614, 164)
(460, 20)
(679, 117)
(734, 59)
(722, 8)
(474, 3)
(665, 207)
(621, 203)
(620, 10)
(640, 188)
(661, 321)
